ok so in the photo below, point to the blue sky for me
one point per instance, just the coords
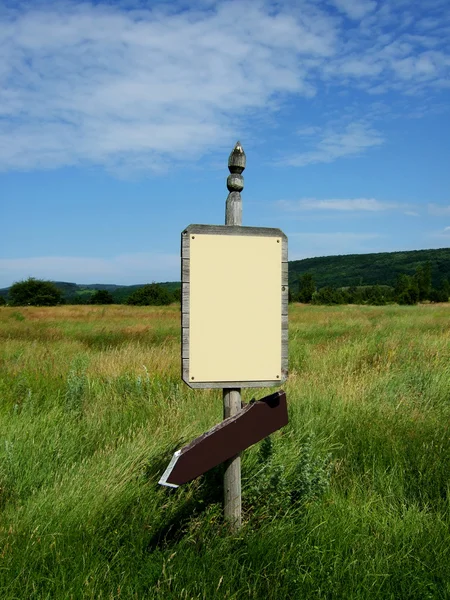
(117, 119)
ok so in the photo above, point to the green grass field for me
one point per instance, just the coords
(350, 500)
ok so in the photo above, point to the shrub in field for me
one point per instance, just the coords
(328, 295)
(442, 293)
(2, 301)
(423, 278)
(275, 489)
(150, 295)
(406, 290)
(34, 292)
(438, 296)
(101, 297)
(307, 287)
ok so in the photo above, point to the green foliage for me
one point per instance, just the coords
(423, 279)
(34, 292)
(442, 293)
(176, 294)
(151, 294)
(376, 295)
(406, 290)
(2, 301)
(371, 269)
(122, 293)
(307, 287)
(274, 488)
(17, 316)
(87, 431)
(328, 295)
(101, 297)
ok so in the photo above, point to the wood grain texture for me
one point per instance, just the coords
(209, 385)
(234, 230)
(185, 244)
(185, 343)
(284, 273)
(232, 401)
(185, 297)
(284, 299)
(185, 270)
(284, 248)
(233, 209)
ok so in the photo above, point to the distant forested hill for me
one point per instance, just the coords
(369, 269)
(338, 271)
(75, 293)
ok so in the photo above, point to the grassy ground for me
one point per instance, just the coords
(350, 500)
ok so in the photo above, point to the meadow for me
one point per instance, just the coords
(350, 500)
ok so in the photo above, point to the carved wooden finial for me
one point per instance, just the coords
(236, 160)
(235, 185)
(236, 164)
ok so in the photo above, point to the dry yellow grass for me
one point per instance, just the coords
(93, 406)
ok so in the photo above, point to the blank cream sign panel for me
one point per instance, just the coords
(235, 306)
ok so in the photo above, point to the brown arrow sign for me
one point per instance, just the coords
(254, 422)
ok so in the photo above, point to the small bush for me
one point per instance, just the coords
(101, 297)
(275, 489)
(35, 292)
(150, 295)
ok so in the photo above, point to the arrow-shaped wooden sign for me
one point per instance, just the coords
(254, 422)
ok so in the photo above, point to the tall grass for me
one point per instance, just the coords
(350, 500)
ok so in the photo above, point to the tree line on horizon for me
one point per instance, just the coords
(37, 292)
(382, 268)
(407, 290)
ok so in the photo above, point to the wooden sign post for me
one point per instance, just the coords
(234, 326)
(232, 402)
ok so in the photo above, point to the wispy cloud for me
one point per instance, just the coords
(353, 204)
(355, 9)
(126, 268)
(97, 84)
(334, 143)
(438, 210)
(438, 238)
(103, 83)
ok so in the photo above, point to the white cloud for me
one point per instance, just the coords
(355, 9)
(102, 85)
(447, 229)
(352, 140)
(438, 210)
(308, 131)
(353, 204)
(126, 268)
(94, 83)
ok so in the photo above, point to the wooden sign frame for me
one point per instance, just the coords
(188, 237)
